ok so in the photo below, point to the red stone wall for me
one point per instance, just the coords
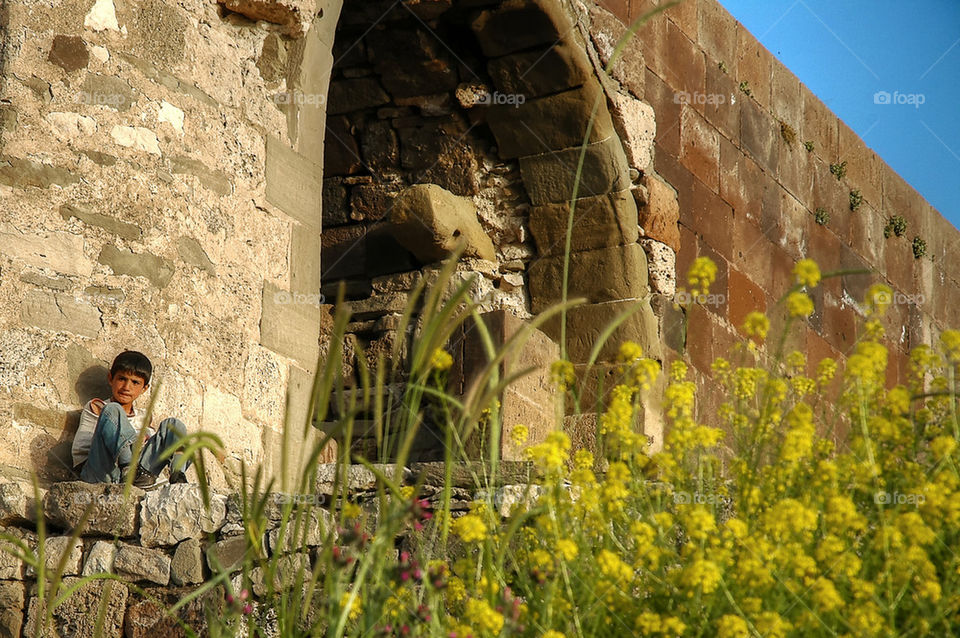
(748, 195)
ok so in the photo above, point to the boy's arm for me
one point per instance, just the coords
(96, 406)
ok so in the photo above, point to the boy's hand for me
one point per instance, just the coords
(96, 406)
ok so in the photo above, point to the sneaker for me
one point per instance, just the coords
(143, 478)
(177, 477)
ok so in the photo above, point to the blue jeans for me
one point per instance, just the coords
(112, 446)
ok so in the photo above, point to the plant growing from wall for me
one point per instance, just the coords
(808, 145)
(723, 66)
(896, 225)
(745, 88)
(821, 216)
(919, 248)
(839, 170)
(787, 133)
(856, 199)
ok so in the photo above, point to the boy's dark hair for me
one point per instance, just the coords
(133, 362)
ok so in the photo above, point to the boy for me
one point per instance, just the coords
(103, 446)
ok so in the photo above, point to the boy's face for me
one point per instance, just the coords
(126, 387)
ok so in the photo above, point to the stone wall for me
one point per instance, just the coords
(749, 150)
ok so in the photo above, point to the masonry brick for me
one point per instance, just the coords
(710, 217)
(723, 101)
(865, 235)
(293, 183)
(604, 220)
(550, 177)
(700, 148)
(686, 68)
(751, 252)
(684, 15)
(718, 298)
(823, 246)
(753, 66)
(760, 135)
(820, 126)
(522, 25)
(660, 215)
(864, 167)
(619, 8)
(830, 194)
(542, 71)
(60, 312)
(675, 173)
(856, 284)
(605, 274)
(661, 98)
(796, 170)
(785, 99)
(900, 262)
(745, 296)
(718, 33)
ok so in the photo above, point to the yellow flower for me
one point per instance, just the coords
(551, 455)
(562, 373)
(756, 325)
(807, 272)
(441, 360)
(703, 574)
(825, 595)
(483, 617)
(825, 370)
(629, 352)
(518, 435)
(878, 299)
(567, 549)
(702, 273)
(612, 567)
(553, 634)
(732, 627)
(950, 342)
(942, 447)
(799, 304)
(351, 510)
(470, 528)
(355, 606)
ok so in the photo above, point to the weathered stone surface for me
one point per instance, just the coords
(282, 12)
(660, 213)
(436, 151)
(406, 77)
(429, 221)
(355, 94)
(186, 568)
(227, 555)
(100, 558)
(341, 155)
(106, 90)
(551, 123)
(212, 180)
(605, 274)
(77, 616)
(358, 477)
(294, 183)
(148, 619)
(662, 262)
(549, 177)
(192, 252)
(60, 312)
(11, 609)
(336, 209)
(110, 513)
(124, 230)
(379, 144)
(176, 512)
(138, 138)
(290, 327)
(629, 69)
(23, 172)
(126, 262)
(636, 124)
(69, 53)
(541, 72)
(71, 125)
(521, 24)
(316, 524)
(141, 563)
(102, 16)
(11, 567)
(586, 323)
(14, 504)
(62, 252)
(471, 475)
(54, 548)
(509, 497)
(604, 220)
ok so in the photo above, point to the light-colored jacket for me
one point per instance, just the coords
(88, 423)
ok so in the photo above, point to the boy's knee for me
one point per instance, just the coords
(111, 410)
(174, 425)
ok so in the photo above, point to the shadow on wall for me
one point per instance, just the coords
(58, 464)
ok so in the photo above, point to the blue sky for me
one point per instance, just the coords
(846, 51)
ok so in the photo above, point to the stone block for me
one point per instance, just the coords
(722, 102)
(636, 124)
(78, 615)
(662, 265)
(293, 183)
(700, 148)
(124, 230)
(797, 169)
(551, 123)
(21, 173)
(406, 77)
(820, 126)
(100, 558)
(358, 478)
(744, 297)
(604, 220)
(586, 323)
(227, 555)
(142, 564)
(380, 146)
(341, 155)
(69, 52)
(212, 180)
(11, 609)
(110, 513)
(786, 102)
(436, 151)
(605, 274)
(685, 67)
(470, 475)
(186, 567)
(430, 221)
(60, 312)
(550, 177)
(760, 136)
(157, 270)
(54, 549)
(521, 24)
(718, 33)
(355, 94)
(106, 90)
(290, 326)
(753, 67)
(629, 69)
(667, 108)
(660, 213)
(541, 72)
(15, 505)
(316, 525)
(139, 138)
(336, 210)
(149, 619)
(283, 12)
(174, 513)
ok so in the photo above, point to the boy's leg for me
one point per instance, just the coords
(168, 435)
(111, 446)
